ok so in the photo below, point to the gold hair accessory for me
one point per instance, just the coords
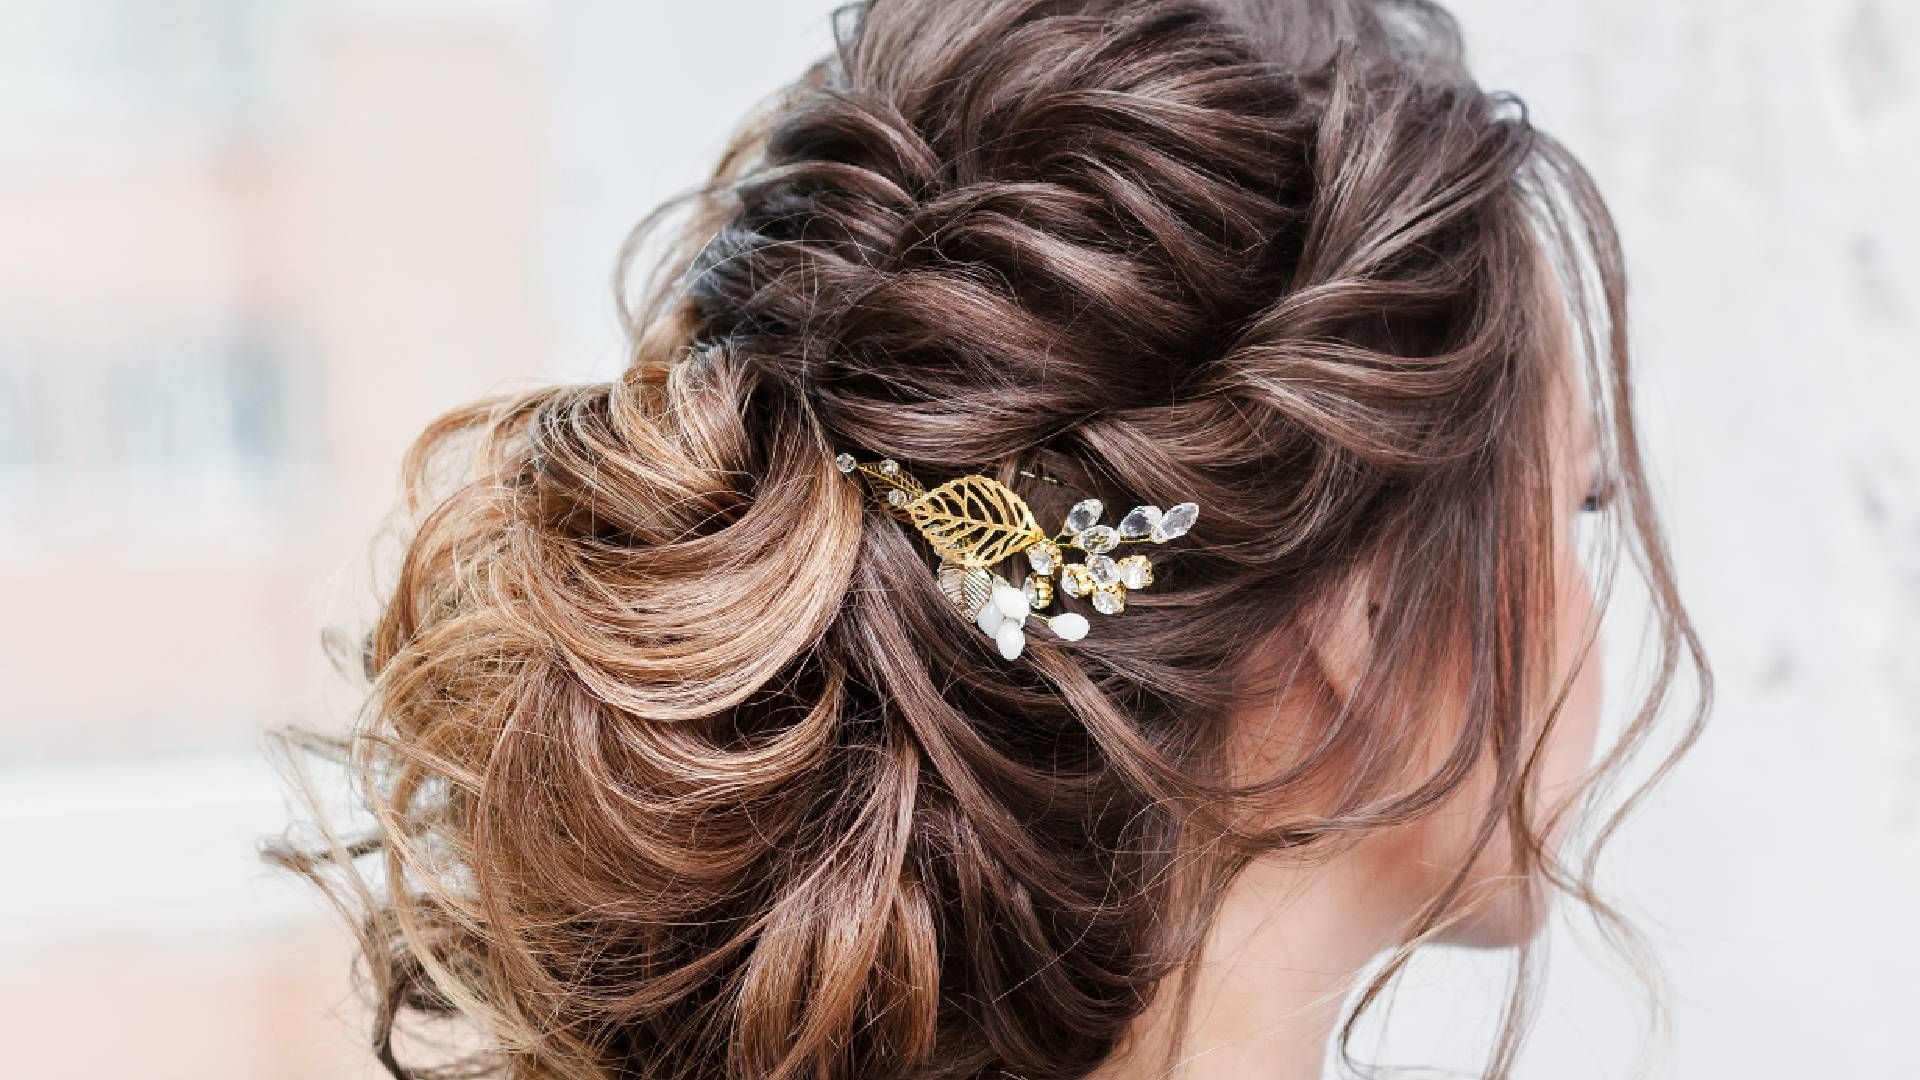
(976, 522)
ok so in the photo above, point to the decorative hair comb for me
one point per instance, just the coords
(975, 522)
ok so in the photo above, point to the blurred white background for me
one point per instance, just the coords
(253, 245)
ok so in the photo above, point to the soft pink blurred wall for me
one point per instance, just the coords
(251, 248)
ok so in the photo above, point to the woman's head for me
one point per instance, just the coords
(683, 765)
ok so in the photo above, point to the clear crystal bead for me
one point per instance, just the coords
(1110, 600)
(1044, 557)
(1136, 572)
(1104, 570)
(1038, 590)
(1175, 523)
(1098, 540)
(845, 463)
(889, 467)
(1084, 515)
(1139, 522)
(1076, 580)
(896, 497)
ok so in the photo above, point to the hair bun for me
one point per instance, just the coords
(682, 764)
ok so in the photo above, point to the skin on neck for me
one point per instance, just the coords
(1289, 943)
(1293, 936)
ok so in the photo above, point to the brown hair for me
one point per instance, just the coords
(680, 764)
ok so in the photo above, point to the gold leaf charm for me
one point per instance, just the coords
(969, 588)
(975, 521)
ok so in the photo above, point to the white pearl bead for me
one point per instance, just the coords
(1069, 626)
(1010, 640)
(1011, 602)
(989, 619)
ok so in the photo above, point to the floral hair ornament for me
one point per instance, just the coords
(974, 523)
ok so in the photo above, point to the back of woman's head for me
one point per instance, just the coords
(684, 767)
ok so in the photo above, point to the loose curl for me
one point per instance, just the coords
(680, 767)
